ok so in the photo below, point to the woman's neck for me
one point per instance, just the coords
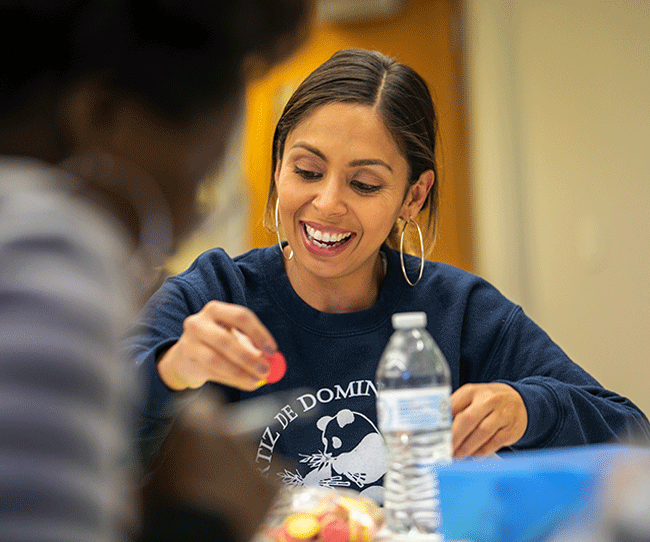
(338, 295)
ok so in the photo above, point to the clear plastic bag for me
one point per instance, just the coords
(317, 514)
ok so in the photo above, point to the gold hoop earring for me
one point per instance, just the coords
(277, 231)
(401, 252)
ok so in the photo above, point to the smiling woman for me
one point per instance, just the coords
(341, 184)
(406, 118)
(353, 165)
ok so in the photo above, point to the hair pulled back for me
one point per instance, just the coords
(402, 99)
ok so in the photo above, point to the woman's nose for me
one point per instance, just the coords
(329, 199)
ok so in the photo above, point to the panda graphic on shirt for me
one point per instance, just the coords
(348, 440)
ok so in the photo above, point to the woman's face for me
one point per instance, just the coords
(341, 184)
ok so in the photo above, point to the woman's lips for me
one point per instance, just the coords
(326, 234)
(325, 240)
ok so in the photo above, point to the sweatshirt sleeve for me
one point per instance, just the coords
(566, 406)
(157, 328)
(213, 275)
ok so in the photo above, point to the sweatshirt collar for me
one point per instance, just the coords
(327, 324)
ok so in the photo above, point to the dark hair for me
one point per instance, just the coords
(179, 58)
(402, 99)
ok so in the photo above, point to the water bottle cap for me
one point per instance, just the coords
(405, 320)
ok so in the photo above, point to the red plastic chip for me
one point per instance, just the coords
(278, 368)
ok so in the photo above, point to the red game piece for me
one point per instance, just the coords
(278, 367)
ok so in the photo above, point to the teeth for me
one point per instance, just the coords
(326, 237)
(319, 244)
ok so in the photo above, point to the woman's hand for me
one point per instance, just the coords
(486, 418)
(222, 343)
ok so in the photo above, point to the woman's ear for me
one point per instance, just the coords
(417, 194)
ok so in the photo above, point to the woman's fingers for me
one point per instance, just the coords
(487, 417)
(202, 364)
(226, 344)
(465, 419)
(222, 343)
(245, 320)
(492, 446)
(487, 435)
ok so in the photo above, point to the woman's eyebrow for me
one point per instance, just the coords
(354, 163)
(311, 149)
(370, 162)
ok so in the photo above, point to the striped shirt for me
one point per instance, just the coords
(65, 393)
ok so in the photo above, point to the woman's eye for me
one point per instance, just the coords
(365, 188)
(307, 174)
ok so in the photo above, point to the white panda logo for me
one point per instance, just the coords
(354, 453)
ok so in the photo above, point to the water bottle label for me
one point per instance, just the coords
(413, 409)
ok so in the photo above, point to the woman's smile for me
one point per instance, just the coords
(325, 240)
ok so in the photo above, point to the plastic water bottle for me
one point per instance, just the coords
(414, 415)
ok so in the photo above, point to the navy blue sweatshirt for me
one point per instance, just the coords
(326, 433)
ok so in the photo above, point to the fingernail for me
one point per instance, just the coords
(263, 369)
(269, 350)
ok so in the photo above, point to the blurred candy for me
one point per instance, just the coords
(301, 526)
(358, 532)
(334, 529)
(333, 518)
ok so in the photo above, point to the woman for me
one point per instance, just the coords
(107, 125)
(353, 166)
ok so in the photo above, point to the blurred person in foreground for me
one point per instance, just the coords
(111, 114)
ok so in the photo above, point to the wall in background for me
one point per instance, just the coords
(559, 95)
